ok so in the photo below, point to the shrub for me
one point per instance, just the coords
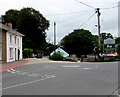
(57, 57)
(27, 52)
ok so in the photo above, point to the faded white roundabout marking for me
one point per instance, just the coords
(71, 66)
(78, 66)
(89, 68)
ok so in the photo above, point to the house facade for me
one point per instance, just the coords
(10, 44)
(0, 46)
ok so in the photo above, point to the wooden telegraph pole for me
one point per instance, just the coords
(54, 35)
(98, 15)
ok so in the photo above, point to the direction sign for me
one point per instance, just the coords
(109, 41)
(109, 45)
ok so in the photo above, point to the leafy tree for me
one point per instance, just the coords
(78, 42)
(95, 40)
(117, 41)
(31, 23)
(105, 36)
(11, 16)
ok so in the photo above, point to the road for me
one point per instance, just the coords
(53, 78)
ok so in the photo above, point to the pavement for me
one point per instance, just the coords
(11, 65)
(44, 60)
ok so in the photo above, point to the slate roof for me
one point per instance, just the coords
(10, 30)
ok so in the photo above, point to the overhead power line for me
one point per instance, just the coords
(99, 7)
(87, 20)
(110, 7)
(85, 4)
(67, 13)
(98, 15)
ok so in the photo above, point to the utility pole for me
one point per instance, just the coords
(98, 15)
(54, 35)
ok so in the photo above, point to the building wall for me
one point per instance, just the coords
(14, 47)
(0, 46)
(4, 53)
(21, 54)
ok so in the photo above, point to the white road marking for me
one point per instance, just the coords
(13, 69)
(12, 72)
(86, 68)
(8, 70)
(23, 73)
(22, 84)
(90, 68)
(72, 66)
(34, 75)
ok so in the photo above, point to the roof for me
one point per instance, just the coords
(10, 30)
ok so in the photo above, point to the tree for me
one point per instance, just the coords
(117, 41)
(31, 23)
(79, 42)
(11, 16)
(105, 36)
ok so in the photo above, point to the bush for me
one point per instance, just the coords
(57, 57)
(27, 52)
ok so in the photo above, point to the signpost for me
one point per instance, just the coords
(109, 45)
(109, 49)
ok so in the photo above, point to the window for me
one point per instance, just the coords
(11, 53)
(10, 39)
(15, 39)
(18, 42)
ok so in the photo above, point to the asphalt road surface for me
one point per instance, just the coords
(61, 79)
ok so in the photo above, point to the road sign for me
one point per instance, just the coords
(109, 45)
(109, 41)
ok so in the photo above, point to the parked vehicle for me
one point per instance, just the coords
(39, 55)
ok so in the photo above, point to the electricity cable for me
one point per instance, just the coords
(110, 7)
(77, 12)
(85, 4)
(87, 20)
(94, 7)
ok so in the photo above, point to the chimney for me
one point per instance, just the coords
(8, 25)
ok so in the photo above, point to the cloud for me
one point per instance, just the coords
(69, 14)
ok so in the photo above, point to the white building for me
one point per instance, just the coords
(10, 44)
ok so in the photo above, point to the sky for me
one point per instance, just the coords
(70, 15)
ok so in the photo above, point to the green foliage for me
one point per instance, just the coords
(31, 23)
(117, 41)
(119, 50)
(27, 52)
(105, 36)
(57, 57)
(79, 42)
(11, 16)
